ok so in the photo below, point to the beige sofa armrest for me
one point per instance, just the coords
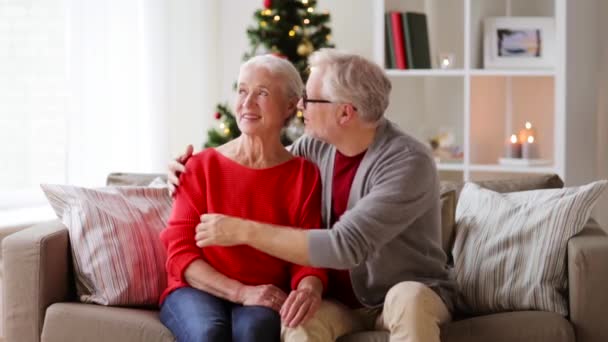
(36, 274)
(588, 283)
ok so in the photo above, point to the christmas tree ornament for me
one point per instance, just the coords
(305, 48)
(217, 115)
(267, 3)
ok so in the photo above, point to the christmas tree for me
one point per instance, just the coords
(290, 29)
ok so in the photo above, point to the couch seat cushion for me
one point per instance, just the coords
(90, 322)
(537, 326)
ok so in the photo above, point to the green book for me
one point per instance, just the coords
(389, 48)
(417, 40)
(408, 42)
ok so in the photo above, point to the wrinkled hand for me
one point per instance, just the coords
(177, 167)
(220, 230)
(262, 295)
(300, 306)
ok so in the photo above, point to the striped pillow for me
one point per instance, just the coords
(114, 234)
(510, 249)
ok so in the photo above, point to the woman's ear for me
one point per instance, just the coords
(292, 109)
(292, 106)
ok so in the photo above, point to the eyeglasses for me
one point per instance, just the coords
(306, 100)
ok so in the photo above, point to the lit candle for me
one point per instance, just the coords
(530, 149)
(526, 132)
(513, 149)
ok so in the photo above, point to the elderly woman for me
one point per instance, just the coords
(239, 293)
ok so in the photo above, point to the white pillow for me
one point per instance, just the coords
(510, 249)
(114, 235)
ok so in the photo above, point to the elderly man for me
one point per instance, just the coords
(380, 203)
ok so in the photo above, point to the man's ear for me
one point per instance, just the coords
(347, 113)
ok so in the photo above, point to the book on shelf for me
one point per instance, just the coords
(407, 41)
(389, 48)
(398, 40)
(418, 40)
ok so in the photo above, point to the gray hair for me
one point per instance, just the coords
(353, 79)
(290, 77)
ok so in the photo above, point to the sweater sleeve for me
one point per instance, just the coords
(402, 189)
(179, 235)
(310, 217)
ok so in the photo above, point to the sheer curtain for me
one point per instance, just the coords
(118, 73)
(89, 87)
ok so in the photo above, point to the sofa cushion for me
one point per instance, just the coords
(88, 322)
(114, 235)
(534, 326)
(448, 223)
(510, 249)
(535, 182)
(133, 179)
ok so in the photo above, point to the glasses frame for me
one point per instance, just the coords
(306, 100)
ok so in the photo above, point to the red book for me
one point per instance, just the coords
(398, 40)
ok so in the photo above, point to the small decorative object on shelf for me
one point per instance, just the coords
(519, 42)
(446, 60)
(529, 149)
(513, 148)
(444, 148)
(522, 149)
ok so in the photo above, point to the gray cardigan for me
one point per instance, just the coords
(391, 231)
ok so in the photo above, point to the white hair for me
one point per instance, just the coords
(353, 79)
(290, 79)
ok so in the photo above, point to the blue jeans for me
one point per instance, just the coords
(194, 315)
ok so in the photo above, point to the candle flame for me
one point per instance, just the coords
(513, 138)
(531, 139)
(528, 125)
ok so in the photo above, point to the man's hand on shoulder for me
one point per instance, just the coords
(177, 167)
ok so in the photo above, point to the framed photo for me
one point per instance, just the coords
(519, 42)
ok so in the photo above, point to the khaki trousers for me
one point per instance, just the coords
(412, 312)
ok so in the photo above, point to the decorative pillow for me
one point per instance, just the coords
(510, 249)
(114, 234)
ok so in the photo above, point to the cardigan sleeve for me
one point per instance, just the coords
(401, 190)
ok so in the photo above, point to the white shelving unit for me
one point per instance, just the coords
(479, 106)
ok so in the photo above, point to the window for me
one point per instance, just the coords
(33, 99)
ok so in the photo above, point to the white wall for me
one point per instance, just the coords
(193, 72)
(601, 211)
(581, 89)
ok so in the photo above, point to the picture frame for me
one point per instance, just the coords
(519, 43)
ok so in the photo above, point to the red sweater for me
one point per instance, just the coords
(345, 168)
(287, 194)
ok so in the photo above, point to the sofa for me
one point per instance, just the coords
(40, 301)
